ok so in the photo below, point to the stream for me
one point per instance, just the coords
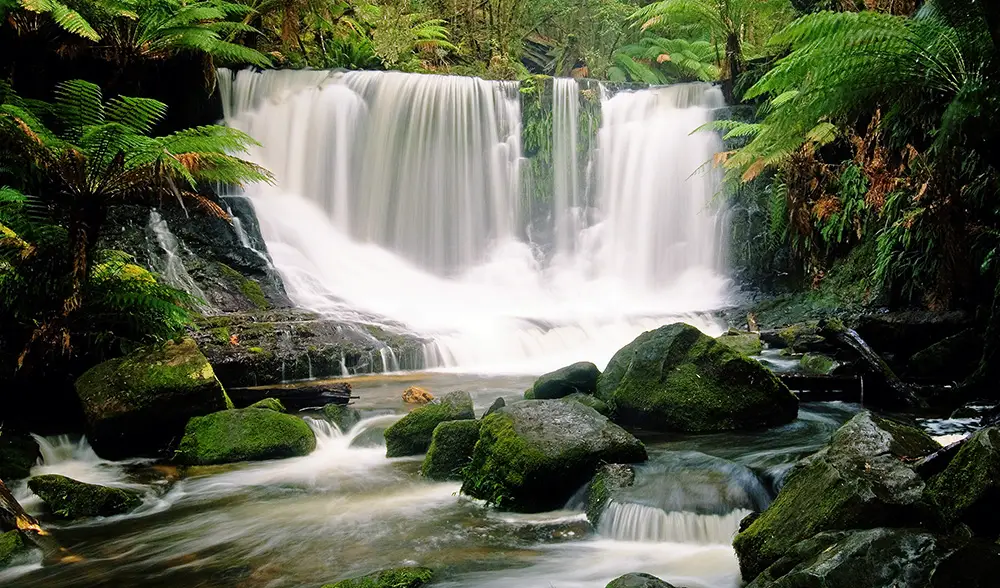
(346, 510)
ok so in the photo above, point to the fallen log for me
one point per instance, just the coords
(883, 387)
(935, 463)
(297, 396)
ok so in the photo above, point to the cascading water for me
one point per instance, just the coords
(398, 195)
(167, 260)
(566, 197)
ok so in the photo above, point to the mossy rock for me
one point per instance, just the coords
(529, 394)
(343, 416)
(951, 359)
(247, 434)
(409, 577)
(742, 342)
(18, 453)
(676, 378)
(817, 363)
(580, 378)
(450, 450)
(269, 404)
(70, 499)
(411, 435)
(968, 490)
(901, 558)
(803, 337)
(497, 405)
(588, 400)
(532, 456)
(638, 580)
(140, 403)
(606, 481)
(11, 545)
(860, 481)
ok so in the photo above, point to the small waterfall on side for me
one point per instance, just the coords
(167, 261)
(638, 522)
(398, 196)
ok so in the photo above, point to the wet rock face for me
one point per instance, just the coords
(903, 558)
(968, 490)
(861, 480)
(532, 456)
(140, 403)
(264, 348)
(249, 434)
(70, 499)
(451, 449)
(577, 378)
(412, 434)
(676, 378)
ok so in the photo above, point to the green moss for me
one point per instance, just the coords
(605, 482)
(17, 455)
(675, 378)
(580, 377)
(499, 461)
(529, 394)
(591, 401)
(743, 343)
(253, 293)
(817, 363)
(258, 350)
(11, 543)
(220, 335)
(269, 404)
(968, 489)
(411, 435)
(247, 434)
(344, 417)
(70, 499)
(451, 449)
(229, 401)
(395, 578)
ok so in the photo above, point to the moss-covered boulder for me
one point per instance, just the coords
(450, 450)
(638, 580)
(11, 544)
(968, 490)
(860, 481)
(605, 482)
(139, 404)
(18, 453)
(817, 363)
(580, 378)
(532, 456)
(742, 342)
(411, 435)
(409, 577)
(343, 416)
(497, 405)
(588, 400)
(676, 378)
(247, 434)
(901, 558)
(269, 404)
(70, 499)
(951, 359)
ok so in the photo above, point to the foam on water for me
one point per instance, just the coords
(638, 522)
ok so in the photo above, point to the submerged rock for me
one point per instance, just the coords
(451, 449)
(859, 481)
(676, 378)
(139, 404)
(344, 417)
(577, 378)
(411, 435)
(11, 544)
(247, 434)
(417, 395)
(533, 455)
(638, 580)
(742, 342)
(269, 404)
(410, 577)
(968, 490)
(605, 482)
(901, 558)
(70, 499)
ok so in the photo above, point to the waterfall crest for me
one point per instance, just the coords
(638, 522)
(399, 195)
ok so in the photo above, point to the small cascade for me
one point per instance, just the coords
(567, 201)
(167, 261)
(389, 361)
(638, 522)
(75, 458)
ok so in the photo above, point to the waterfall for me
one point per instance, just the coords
(638, 522)
(167, 261)
(398, 196)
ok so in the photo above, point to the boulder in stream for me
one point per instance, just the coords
(71, 499)
(246, 434)
(638, 580)
(606, 481)
(968, 490)
(344, 417)
(742, 342)
(139, 404)
(269, 404)
(407, 577)
(417, 395)
(676, 378)
(588, 400)
(451, 449)
(860, 481)
(11, 544)
(533, 455)
(580, 378)
(18, 453)
(901, 558)
(411, 435)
